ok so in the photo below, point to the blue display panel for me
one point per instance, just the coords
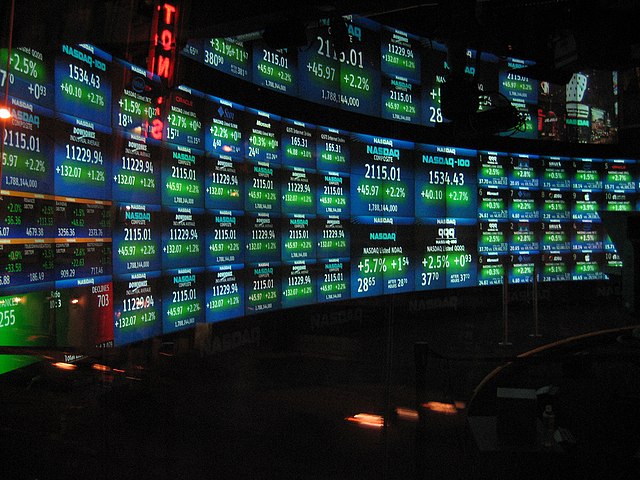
(587, 236)
(400, 54)
(262, 143)
(492, 169)
(587, 186)
(333, 279)
(137, 307)
(555, 173)
(262, 237)
(82, 159)
(136, 169)
(298, 144)
(224, 183)
(262, 288)
(587, 204)
(333, 150)
(524, 204)
(341, 71)
(400, 99)
(28, 149)
(24, 263)
(556, 205)
(182, 176)
(24, 216)
(83, 83)
(319, 69)
(380, 259)
(182, 237)
(619, 201)
(82, 219)
(493, 203)
(333, 235)
(587, 174)
(182, 298)
(619, 185)
(137, 235)
(400, 87)
(229, 56)
(299, 187)
(298, 283)
(358, 65)
(224, 242)
(556, 267)
(183, 120)
(275, 69)
(447, 253)
(446, 182)
(262, 187)
(524, 236)
(493, 237)
(136, 100)
(556, 236)
(524, 171)
(224, 128)
(299, 237)
(333, 194)
(89, 260)
(382, 177)
(316, 213)
(30, 76)
(492, 269)
(224, 297)
(522, 92)
(398, 266)
(522, 267)
(493, 207)
(588, 266)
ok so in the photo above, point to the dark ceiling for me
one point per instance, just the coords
(604, 33)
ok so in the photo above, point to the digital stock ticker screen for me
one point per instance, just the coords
(127, 212)
(355, 64)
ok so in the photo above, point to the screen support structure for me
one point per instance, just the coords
(6, 84)
(624, 229)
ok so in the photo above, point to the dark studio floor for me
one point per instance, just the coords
(277, 407)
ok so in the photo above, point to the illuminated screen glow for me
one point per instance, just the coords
(125, 216)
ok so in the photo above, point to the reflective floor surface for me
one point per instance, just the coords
(410, 396)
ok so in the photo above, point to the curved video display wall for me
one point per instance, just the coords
(358, 65)
(126, 213)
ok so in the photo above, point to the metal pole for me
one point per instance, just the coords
(534, 293)
(388, 378)
(505, 308)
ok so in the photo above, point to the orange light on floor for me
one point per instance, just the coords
(65, 366)
(367, 420)
(101, 368)
(407, 414)
(440, 407)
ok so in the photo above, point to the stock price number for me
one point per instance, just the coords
(382, 172)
